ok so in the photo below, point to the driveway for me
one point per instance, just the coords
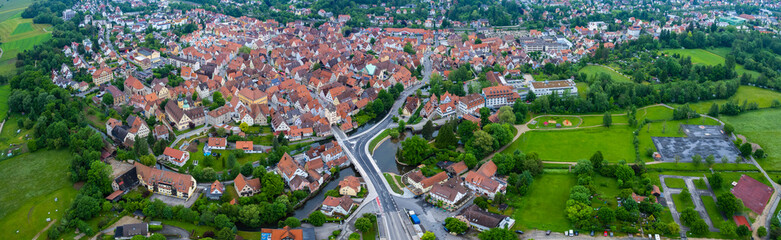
(177, 232)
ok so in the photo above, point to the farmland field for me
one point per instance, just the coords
(762, 127)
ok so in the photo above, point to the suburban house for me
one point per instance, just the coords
(219, 116)
(215, 190)
(333, 206)
(287, 233)
(137, 126)
(483, 220)
(215, 143)
(483, 182)
(175, 156)
(161, 132)
(350, 186)
(288, 168)
(421, 184)
(166, 182)
(457, 168)
(246, 187)
(247, 146)
(127, 231)
(448, 195)
(411, 106)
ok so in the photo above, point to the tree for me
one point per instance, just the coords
(483, 142)
(761, 231)
(363, 224)
(317, 218)
(250, 215)
(607, 119)
(728, 203)
(470, 160)
(714, 110)
(225, 234)
(446, 138)
(402, 125)
(148, 160)
(742, 231)
(414, 150)
(685, 195)
(745, 150)
(466, 130)
(759, 154)
(696, 159)
(715, 181)
(710, 160)
(247, 169)
(579, 213)
(606, 215)
(497, 234)
(506, 115)
(454, 225)
(728, 129)
(484, 114)
(408, 49)
(428, 236)
(728, 228)
(292, 222)
(624, 173)
(724, 160)
(108, 99)
(699, 226)
(531, 96)
(272, 184)
(673, 228)
(689, 216)
(584, 167)
(596, 160)
(580, 193)
(428, 130)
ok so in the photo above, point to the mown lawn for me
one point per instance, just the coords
(654, 113)
(593, 70)
(31, 183)
(544, 206)
(597, 120)
(763, 97)
(392, 184)
(762, 127)
(713, 211)
(681, 204)
(675, 183)
(573, 145)
(553, 120)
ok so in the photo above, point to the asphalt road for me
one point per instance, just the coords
(394, 222)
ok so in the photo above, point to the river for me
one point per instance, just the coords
(314, 203)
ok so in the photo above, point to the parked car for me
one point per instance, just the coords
(577, 233)
(518, 231)
(605, 233)
(592, 233)
(547, 233)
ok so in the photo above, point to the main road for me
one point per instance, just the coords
(392, 218)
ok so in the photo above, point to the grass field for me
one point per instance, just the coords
(544, 206)
(713, 211)
(5, 91)
(763, 97)
(573, 145)
(762, 127)
(597, 120)
(674, 183)
(18, 34)
(553, 120)
(23, 28)
(12, 8)
(392, 184)
(699, 56)
(593, 70)
(31, 183)
(681, 204)
(654, 113)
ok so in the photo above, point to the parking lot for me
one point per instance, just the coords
(173, 201)
(700, 140)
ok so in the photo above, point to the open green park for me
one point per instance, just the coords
(36, 186)
(593, 70)
(543, 207)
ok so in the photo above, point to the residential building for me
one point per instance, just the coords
(470, 104)
(102, 75)
(166, 182)
(449, 194)
(246, 187)
(350, 186)
(215, 190)
(483, 182)
(176, 156)
(127, 231)
(482, 220)
(287, 233)
(289, 168)
(333, 206)
(422, 184)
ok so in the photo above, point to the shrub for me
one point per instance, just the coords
(155, 227)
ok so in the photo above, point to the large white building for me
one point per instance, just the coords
(498, 96)
(560, 87)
